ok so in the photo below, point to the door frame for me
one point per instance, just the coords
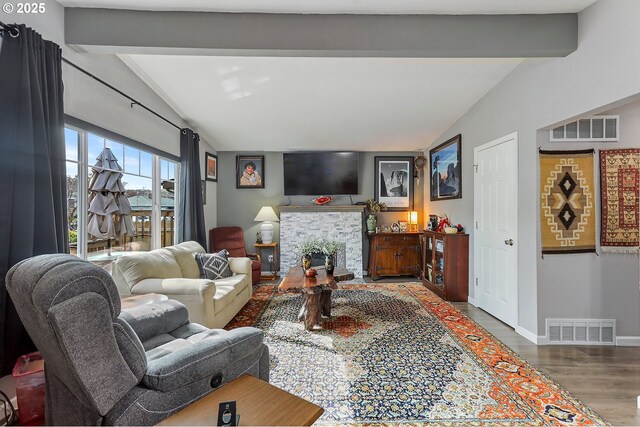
(476, 265)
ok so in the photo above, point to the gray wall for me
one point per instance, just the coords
(90, 101)
(239, 206)
(588, 285)
(536, 95)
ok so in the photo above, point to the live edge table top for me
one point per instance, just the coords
(296, 281)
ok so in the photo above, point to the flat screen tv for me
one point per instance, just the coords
(320, 173)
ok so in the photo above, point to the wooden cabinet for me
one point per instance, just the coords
(394, 254)
(445, 268)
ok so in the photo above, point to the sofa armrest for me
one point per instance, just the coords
(177, 286)
(202, 359)
(240, 265)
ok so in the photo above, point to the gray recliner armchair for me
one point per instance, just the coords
(104, 367)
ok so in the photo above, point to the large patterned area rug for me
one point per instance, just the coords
(399, 354)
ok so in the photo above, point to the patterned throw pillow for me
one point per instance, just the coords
(214, 266)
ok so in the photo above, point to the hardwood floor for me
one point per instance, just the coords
(606, 378)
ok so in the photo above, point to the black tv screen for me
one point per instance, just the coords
(320, 173)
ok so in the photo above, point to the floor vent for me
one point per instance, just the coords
(591, 129)
(581, 331)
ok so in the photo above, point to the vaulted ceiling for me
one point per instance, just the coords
(258, 102)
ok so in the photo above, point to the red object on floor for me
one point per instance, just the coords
(28, 375)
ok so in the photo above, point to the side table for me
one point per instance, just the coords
(258, 403)
(274, 247)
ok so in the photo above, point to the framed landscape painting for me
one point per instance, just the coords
(249, 171)
(211, 167)
(446, 169)
(394, 182)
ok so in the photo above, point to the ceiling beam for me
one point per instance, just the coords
(261, 34)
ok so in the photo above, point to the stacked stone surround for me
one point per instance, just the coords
(341, 223)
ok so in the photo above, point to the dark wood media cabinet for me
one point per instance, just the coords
(445, 264)
(394, 254)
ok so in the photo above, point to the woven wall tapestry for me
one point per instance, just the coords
(620, 182)
(567, 210)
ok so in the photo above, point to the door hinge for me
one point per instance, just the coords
(476, 167)
(476, 225)
(476, 281)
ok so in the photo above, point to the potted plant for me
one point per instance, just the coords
(319, 246)
(373, 206)
(329, 249)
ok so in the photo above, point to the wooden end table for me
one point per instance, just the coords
(317, 292)
(274, 247)
(257, 402)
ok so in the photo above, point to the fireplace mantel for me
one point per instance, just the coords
(322, 208)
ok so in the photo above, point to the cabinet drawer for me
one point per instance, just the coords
(396, 241)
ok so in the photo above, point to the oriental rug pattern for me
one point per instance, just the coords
(400, 354)
(620, 182)
(567, 209)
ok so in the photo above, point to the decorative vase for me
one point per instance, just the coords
(306, 262)
(371, 223)
(328, 264)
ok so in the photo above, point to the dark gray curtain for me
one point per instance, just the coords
(191, 210)
(33, 213)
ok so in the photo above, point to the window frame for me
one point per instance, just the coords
(82, 164)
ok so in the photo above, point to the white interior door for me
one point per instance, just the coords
(496, 226)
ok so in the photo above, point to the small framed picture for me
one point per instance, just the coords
(386, 229)
(204, 192)
(211, 167)
(394, 182)
(404, 226)
(250, 171)
(395, 227)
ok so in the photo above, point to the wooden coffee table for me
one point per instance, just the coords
(317, 292)
(257, 402)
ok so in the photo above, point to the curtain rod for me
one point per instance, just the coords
(11, 27)
(133, 101)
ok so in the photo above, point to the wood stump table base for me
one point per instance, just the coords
(317, 293)
(314, 307)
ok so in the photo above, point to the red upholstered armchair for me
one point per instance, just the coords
(232, 239)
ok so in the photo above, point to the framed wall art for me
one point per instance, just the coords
(250, 171)
(446, 169)
(211, 167)
(394, 182)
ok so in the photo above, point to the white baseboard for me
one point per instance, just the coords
(630, 341)
(538, 340)
(472, 301)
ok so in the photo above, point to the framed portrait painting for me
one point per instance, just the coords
(211, 167)
(394, 182)
(250, 171)
(446, 169)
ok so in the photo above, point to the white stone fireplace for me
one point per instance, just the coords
(343, 224)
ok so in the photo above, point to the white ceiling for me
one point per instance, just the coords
(347, 6)
(281, 104)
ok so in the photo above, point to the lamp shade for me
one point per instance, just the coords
(267, 214)
(412, 219)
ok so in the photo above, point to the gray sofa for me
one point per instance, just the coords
(104, 367)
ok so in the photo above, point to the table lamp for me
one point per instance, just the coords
(267, 215)
(412, 219)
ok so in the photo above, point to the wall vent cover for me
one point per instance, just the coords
(581, 331)
(589, 129)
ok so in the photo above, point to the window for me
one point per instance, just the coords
(136, 185)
